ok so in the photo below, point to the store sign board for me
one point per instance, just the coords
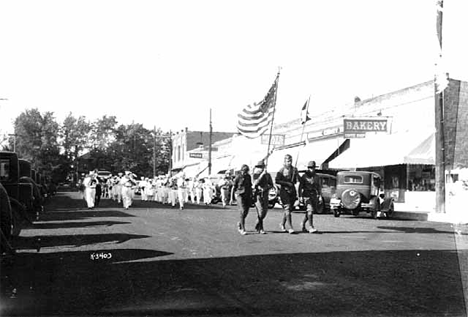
(354, 135)
(196, 155)
(276, 139)
(355, 125)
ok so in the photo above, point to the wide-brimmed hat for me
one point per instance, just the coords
(311, 164)
(260, 164)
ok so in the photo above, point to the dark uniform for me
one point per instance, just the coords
(287, 177)
(262, 183)
(310, 190)
(243, 191)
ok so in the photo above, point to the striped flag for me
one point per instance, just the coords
(305, 113)
(253, 120)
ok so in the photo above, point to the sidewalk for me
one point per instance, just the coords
(407, 212)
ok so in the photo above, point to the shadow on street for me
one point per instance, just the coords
(135, 282)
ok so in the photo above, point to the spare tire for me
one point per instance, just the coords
(351, 198)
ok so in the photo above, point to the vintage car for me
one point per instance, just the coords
(328, 183)
(360, 191)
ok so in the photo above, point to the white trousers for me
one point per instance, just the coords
(90, 195)
(127, 196)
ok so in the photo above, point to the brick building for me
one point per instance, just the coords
(185, 143)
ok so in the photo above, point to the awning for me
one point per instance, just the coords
(424, 153)
(318, 151)
(379, 150)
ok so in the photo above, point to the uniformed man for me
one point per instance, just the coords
(127, 182)
(262, 183)
(243, 191)
(89, 183)
(181, 189)
(287, 177)
(225, 184)
(310, 192)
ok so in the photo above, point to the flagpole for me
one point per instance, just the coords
(303, 128)
(273, 118)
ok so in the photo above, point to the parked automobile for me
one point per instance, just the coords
(328, 183)
(360, 191)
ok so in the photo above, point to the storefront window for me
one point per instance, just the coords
(421, 178)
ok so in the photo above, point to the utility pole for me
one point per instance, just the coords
(154, 153)
(209, 148)
(439, 124)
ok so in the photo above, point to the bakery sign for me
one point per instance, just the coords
(357, 127)
(354, 125)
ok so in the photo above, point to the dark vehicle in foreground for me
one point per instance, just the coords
(360, 191)
(328, 183)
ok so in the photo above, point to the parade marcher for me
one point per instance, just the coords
(97, 197)
(150, 189)
(173, 191)
(118, 187)
(262, 183)
(225, 184)
(89, 183)
(141, 186)
(287, 177)
(208, 191)
(127, 182)
(181, 189)
(310, 192)
(199, 190)
(243, 191)
(191, 189)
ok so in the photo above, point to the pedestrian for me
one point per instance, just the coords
(225, 185)
(287, 177)
(127, 182)
(262, 183)
(89, 183)
(310, 193)
(242, 188)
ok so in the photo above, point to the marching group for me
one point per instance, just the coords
(175, 190)
(244, 188)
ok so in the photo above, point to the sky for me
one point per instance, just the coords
(165, 64)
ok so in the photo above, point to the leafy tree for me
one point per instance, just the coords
(103, 132)
(35, 140)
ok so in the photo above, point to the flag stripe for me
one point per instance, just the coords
(253, 120)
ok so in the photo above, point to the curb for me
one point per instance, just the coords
(405, 215)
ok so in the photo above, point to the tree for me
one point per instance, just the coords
(75, 139)
(35, 140)
(103, 132)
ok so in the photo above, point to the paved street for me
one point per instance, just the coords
(158, 261)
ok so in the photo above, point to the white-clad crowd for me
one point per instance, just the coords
(175, 191)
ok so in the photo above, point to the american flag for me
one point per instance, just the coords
(253, 120)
